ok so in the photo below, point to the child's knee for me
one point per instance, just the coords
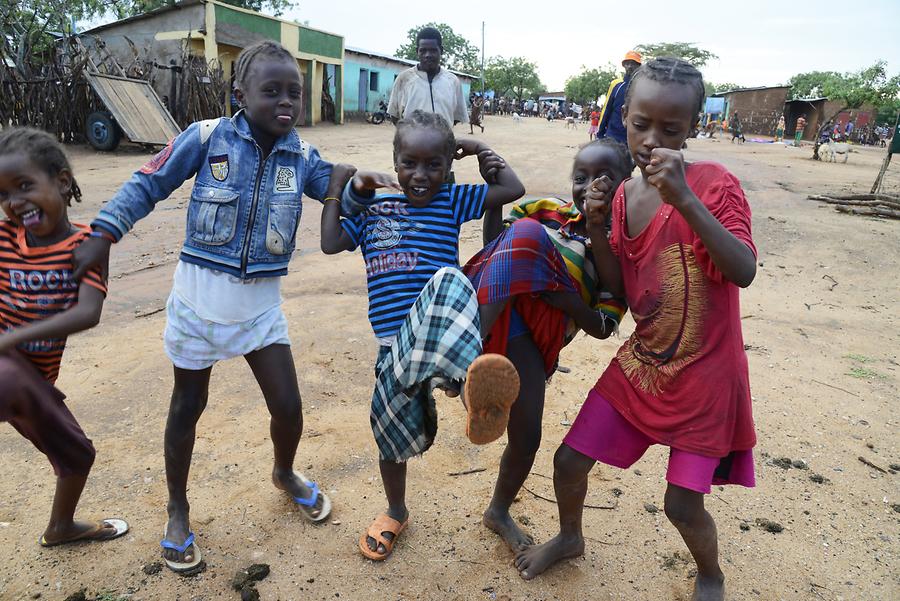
(683, 507)
(569, 465)
(188, 405)
(526, 443)
(286, 409)
(79, 459)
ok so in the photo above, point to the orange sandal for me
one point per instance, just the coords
(491, 388)
(383, 523)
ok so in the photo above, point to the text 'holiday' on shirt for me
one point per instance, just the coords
(403, 246)
(36, 283)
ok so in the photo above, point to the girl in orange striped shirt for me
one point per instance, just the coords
(40, 305)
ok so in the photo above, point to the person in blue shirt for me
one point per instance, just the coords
(611, 124)
(423, 309)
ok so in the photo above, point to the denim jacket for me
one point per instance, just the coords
(244, 210)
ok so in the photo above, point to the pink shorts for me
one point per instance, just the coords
(600, 432)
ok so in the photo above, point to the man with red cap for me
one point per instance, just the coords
(611, 125)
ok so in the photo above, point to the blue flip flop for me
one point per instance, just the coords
(306, 505)
(182, 566)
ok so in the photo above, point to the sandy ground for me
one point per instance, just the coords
(821, 328)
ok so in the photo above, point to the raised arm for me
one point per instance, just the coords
(333, 237)
(731, 256)
(364, 183)
(503, 183)
(597, 205)
(83, 315)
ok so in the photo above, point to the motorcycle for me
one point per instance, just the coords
(378, 117)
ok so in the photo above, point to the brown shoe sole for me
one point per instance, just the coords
(491, 388)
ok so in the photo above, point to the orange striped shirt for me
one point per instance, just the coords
(36, 283)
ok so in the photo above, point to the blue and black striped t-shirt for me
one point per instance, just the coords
(403, 246)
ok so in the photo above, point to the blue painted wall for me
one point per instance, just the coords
(386, 77)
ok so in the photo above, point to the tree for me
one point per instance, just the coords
(590, 84)
(459, 54)
(813, 84)
(683, 50)
(851, 90)
(514, 76)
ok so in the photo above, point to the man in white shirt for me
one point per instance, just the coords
(428, 86)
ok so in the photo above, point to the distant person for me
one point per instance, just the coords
(801, 125)
(681, 380)
(43, 304)
(737, 129)
(595, 125)
(779, 129)
(848, 131)
(428, 86)
(611, 124)
(475, 113)
(826, 134)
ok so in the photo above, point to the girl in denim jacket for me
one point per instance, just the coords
(251, 171)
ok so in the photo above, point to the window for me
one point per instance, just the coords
(373, 81)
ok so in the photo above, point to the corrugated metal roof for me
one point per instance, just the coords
(756, 89)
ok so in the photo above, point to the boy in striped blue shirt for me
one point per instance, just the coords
(423, 310)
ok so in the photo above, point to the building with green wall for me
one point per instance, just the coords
(217, 32)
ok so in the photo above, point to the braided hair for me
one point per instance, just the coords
(624, 164)
(43, 150)
(668, 69)
(245, 59)
(425, 120)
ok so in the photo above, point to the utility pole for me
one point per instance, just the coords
(482, 59)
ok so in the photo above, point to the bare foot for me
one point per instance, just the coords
(77, 531)
(709, 588)
(178, 529)
(534, 560)
(506, 527)
(293, 484)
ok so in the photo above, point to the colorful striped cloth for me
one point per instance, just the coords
(521, 263)
(538, 253)
(439, 337)
(559, 218)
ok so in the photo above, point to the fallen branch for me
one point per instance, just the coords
(836, 388)
(467, 472)
(586, 505)
(149, 313)
(872, 465)
(875, 212)
(891, 204)
(833, 281)
(889, 197)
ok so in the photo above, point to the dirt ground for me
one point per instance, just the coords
(822, 333)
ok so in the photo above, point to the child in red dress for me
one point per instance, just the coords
(679, 250)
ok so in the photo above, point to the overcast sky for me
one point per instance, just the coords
(762, 42)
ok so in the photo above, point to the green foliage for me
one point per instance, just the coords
(866, 86)
(459, 54)
(590, 84)
(514, 76)
(813, 84)
(715, 88)
(683, 50)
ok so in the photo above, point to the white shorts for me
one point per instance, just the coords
(192, 342)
